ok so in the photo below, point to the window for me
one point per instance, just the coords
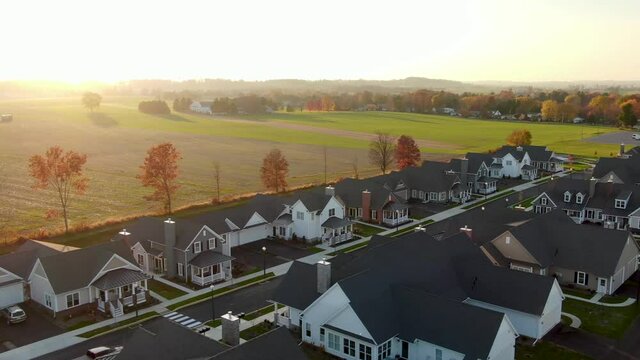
(414, 193)
(140, 259)
(579, 198)
(365, 352)
(522, 268)
(322, 335)
(307, 328)
(283, 231)
(543, 201)
(621, 204)
(405, 349)
(197, 247)
(349, 347)
(433, 196)
(180, 269)
(334, 342)
(581, 278)
(359, 212)
(567, 197)
(438, 354)
(299, 215)
(73, 300)
(332, 212)
(204, 232)
(509, 163)
(384, 350)
(507, 240)
(212, 243)
(48, 301)
(374, 214)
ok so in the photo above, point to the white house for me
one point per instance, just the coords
(203, 107)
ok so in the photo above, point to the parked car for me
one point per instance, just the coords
(14, 314)
(103, 352)
(636, 136)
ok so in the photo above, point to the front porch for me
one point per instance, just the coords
(118, 289)
(336, 230)
(529, 172)
(206, 275)
(395, 214)
(209, 267)
(486, 185)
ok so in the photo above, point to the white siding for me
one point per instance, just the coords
(40, 285)
(525, 324)
(11, 294)
(504, 344)
(85, 298)
(139, 250)
(254, 233)
(326, 306)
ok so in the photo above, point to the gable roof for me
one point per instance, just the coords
(627, 169)
(22, 260)
(152, 228)
(76, 269)
(553, 239)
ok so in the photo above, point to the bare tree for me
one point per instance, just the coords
(324, 153)
(381, 151)
(216, 178)
(354, 165)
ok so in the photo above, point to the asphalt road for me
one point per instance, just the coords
(245, 300)
(615, 138)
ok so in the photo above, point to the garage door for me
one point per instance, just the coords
(254, 233)
(11, 294)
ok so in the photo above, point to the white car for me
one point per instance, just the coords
(636, 136)
(103, 353)
(14, 314)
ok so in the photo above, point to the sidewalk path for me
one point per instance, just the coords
(173, 284)
(596, 300)
(575, 321)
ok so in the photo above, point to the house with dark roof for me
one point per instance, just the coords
(239, 225)
(104, 277)
(15, 268)
(400, 298)
(435, 182)
(583, 256)
(474, 170)
(184, 249)
(202, 107)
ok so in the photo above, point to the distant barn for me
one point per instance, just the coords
(6, 117)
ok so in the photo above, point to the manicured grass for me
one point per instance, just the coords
(349, 249)
(489, 199)
(164, 290)
(214, 323)
(410, 228)
(608, 299)
(545, 350)
(365, 230)
(118, 325)
(256, 330)
(80, 324)
(526, 202)
(264, 311)
(607, 321)
(314, 249)
(218, 292)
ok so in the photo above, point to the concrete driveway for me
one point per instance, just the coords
(35, 328)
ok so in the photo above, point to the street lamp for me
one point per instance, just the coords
(397, 220)
(213, 309)
(264, 261)
(486, 184)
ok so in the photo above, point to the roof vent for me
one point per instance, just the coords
(124, 232)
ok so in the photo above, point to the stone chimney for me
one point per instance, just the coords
(230, 329)
(323, 269)
(330, 191)
(366, 205)
(468, 231)
(592, 186)
(169, 245)
(621, 154)
(464, 169)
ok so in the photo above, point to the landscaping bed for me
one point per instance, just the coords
(608, 321)
(256, 330)
(365, 230)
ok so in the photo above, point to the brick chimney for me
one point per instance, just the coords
(230, 329)
(323, 269)
(468, 231)
(169, 245)
(366, 205)
(330, 191)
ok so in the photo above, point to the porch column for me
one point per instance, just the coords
(119, 292)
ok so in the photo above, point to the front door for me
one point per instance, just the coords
(602, 285)
(158, 264)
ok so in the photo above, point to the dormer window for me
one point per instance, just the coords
(212, 243)
(621, 204)
(579, 198)
(567, 197)
(543, 201)
(197, 247)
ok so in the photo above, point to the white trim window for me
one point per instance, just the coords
(543, 201)
(180, 269)
(212, 243)
(621, 204)
(197, 247)
(374, 214)
(349, 347)
(364, 352)
(567, 197)
(414, 193)
(322, 330)
(581, 278)
(332, 212)
(73, 300)
(299, 215)
(140, 259)
(48, 300)
(384, 350)
(579, 198)
(334, 341)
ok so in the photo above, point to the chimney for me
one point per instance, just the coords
(621, 150)
(169, 244)
(230, 329)
(330, 191)
(592, 186)
(464, 169)
(467, 230)
(519, 148)
(323, 268)
(366, 205)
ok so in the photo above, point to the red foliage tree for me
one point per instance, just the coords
(274, 170)
(407, 152)
(61, 171)
(160, 171)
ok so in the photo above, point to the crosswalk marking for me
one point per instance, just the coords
(170, 314)
(185, 323)
(175, 316)
(183, 320)
(197, 323)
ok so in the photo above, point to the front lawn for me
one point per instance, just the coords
(256, 330)
(603, 320)
(365, 230)
(164, 290)
(544, 350)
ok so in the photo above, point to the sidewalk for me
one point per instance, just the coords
(216, 333)
(596, 300)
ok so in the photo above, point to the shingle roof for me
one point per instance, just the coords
(75, 269)
(208, 258)
(298, 288)
(119, 277)
(335, 222)
(553, 239)
(21, 262)
(152, 228)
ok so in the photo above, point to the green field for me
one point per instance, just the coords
(116, 137)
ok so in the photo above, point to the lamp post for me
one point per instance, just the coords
(264, 261)
(397, 220)
(213, 309)
(486, 184)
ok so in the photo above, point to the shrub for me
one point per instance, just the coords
(154, 107)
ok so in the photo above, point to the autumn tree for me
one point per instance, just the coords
(160, 171)
(61, 171)
(274, 170)
(519, 138)
(381, 151)
(549, 110)
(627, 117)
(91, 100)
(216, 179)
(566, 111)
(407, 152)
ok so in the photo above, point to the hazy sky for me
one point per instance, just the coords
(346, 39)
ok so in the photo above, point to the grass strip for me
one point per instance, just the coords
(222, 291)
(256, 330)
(410, 228)
(489, 199)
(119, 325)
(164, 290)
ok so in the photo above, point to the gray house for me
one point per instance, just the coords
(583, 256)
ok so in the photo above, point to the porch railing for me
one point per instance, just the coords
(332, 240)
(393, 222)
(139, 298)
(101, 305)
(206, 280)
(116, 309)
